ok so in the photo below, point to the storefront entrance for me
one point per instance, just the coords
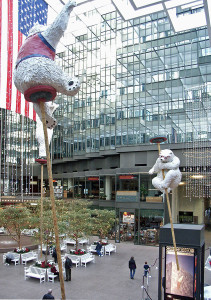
(126, 229)
(139, 226)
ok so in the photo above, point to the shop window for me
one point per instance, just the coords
(107, 141)
(113, 140)
(101, 142)
(102, 119)
(185, 217)
(118, 140)
(127, 226)
(120, 115)
(95, 123)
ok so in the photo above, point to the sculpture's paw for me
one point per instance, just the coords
(151, 171)
(73, 86)
(49, 110)
(50, 122)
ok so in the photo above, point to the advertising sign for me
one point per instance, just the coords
(126, 177)
(93, 178)
(179, 284)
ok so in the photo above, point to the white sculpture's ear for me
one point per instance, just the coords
(36, 28)
(151, 171)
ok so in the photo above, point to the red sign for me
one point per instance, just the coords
(126, 177)
(93, 178)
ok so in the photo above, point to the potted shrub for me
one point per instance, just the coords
(143, 191)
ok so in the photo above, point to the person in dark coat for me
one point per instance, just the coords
(98, 248)
(68, 266)
(48, 295)
(132, 267)
(9, 258)
(54, 255)
(146, 269)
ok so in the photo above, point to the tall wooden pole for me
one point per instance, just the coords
(170, 217)
(41, 212)
(50, 178)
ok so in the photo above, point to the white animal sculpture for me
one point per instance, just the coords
(168, 162)
(35, 63)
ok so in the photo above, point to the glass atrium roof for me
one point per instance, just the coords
(182, 14)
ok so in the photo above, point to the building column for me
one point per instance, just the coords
(6, 187)
(108, 187)
(70, 186)
(174, 205)
(70, 183)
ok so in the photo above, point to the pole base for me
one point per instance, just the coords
(44, 93)
(41, 161)
(158, 140)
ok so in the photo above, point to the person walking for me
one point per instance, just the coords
(68, 266)
(146, 269)
(48, 295)
(132, 267)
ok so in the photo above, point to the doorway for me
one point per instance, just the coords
(126, 226)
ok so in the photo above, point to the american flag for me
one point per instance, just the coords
(16, 19)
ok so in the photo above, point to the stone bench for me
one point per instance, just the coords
(35, 272)
(44, 249)
(2, 230)
(83, 241)
(16, 259)
(25, 257)
(51, 276)
(75, 259)
(29, 232)
(69, 241)
(92, 249)
(63, 247)
(86, 258)
(110, 248)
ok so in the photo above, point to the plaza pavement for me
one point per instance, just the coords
(106, 279)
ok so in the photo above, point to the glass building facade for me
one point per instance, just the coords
(139, 79)
(18, 152)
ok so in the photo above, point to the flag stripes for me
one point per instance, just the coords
(9, 54)
(16, 18)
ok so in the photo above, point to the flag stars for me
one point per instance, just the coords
(31, 11)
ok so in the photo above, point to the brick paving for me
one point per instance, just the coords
(106, 279)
